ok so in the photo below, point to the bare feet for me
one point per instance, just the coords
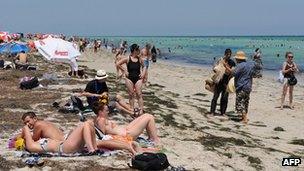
(244, 118)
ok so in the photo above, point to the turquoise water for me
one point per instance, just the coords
(203, 50)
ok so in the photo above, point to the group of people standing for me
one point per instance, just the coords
(243, 72)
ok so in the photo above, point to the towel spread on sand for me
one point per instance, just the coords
(102, 153)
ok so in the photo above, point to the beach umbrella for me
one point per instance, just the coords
(13, 47)
(56, 49)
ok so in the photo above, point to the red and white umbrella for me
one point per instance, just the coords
(57, 49)
(5, 36)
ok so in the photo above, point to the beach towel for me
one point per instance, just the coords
(101, 152)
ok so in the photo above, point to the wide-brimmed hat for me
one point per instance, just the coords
(101, 74)
(240, 55)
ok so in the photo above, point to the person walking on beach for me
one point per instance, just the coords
(146, 56)
(153, 53)
(289, 68)
(134, 76)
(243, 75)
(220, 87)
(257, 57)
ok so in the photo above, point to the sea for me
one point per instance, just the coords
(203, 50)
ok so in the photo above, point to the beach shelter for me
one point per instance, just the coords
(56, 49)
(13, 47)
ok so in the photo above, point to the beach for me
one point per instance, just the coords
(176, 97)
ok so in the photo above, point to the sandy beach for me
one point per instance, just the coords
(177, 98)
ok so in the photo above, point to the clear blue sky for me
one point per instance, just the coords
(154, 17)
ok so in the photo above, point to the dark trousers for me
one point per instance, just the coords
(219, 89)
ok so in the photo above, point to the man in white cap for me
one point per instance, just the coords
(97, 89)
(243, 75)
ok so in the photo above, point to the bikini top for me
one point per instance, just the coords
(98, 132)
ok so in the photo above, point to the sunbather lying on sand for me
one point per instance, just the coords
(81, 136)
(132, 130)
(45, 132)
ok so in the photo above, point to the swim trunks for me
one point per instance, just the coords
(43, 144)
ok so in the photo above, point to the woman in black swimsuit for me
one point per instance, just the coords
(288, 70)
(133, 75)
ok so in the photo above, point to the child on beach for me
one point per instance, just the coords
(289, 68)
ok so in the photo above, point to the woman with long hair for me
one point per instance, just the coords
(289, 68)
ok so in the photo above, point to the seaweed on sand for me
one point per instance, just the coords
(297, 142)
(278, 129)
(200, 94)
(210, 141)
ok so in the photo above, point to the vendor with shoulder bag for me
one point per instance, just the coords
(288, 70)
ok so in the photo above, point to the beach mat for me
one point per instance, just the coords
(101, 153)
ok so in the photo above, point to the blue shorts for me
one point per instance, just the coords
(146, 63)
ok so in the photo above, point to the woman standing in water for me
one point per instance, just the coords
(289, 68)
(134, 77)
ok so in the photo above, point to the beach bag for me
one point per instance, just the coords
(292, 81)
(281, 77)
(231, 86)
(150, 161)
(209, 85)
(29, 83)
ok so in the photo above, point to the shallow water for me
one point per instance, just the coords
(203, 50)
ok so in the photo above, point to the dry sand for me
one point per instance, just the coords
(179, 102)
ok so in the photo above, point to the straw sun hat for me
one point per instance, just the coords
(101, 74)
(240, 55)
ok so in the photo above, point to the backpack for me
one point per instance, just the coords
(29, 83)
(150, 161)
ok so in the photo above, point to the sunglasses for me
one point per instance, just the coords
(290, 56)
